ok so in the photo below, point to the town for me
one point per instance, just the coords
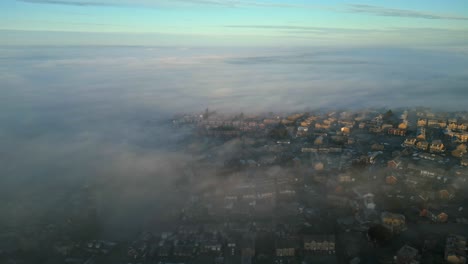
(356, 186)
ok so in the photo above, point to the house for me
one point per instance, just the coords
(319, 166)
(427, 156)
(397, 132)
(386, 126)
(433, 122)
(406, 152)
(426, 196)
(295, 117)
(184, 250)
(343, 177)
(318, 140)
(404, 115)
(410, 142)
(377, 146)
(461, 137)
(442, 217)
(422, 122)
(425, 169)
(421, 133)
(335, 150)
(231, 248)
(271, 122)
(375, 129)
(403, 125)
(337, 201)
(407, 255)
(461, 173)
(455, 249)
(462, 126)
(347, 123)
(329, 121)
(394, 164)
(436, 218)
(446, 194)
(464, 161)
(320, 244)
(437, 146)
(453, 125)
(286, 247)
(286, 122)
(422, 145)
(302, 131)
(210, 246)
(322, 126)
(395, 222)
(391, 180)
(372, 156)
(368, 200)
(459, 151)
(231, 251)
(312, 150)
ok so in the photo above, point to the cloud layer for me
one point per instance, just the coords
(98, 115)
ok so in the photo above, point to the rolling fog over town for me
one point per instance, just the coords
(154, 131)
(107, 143)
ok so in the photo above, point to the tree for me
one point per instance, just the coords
(388, 115)
(379, 234)
(279, 132)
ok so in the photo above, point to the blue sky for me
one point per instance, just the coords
(233, 22)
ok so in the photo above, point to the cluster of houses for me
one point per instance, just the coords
(229, 243)
(83, 252)
(327, 187)
(416, 159)
(334, 187)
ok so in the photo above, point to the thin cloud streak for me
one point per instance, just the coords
(71, 3)
(275, 27)
(225, 3)
(307, 29)
(327, 30)
(350, 8)
(394, 12)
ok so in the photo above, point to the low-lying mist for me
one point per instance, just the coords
(99, 117)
